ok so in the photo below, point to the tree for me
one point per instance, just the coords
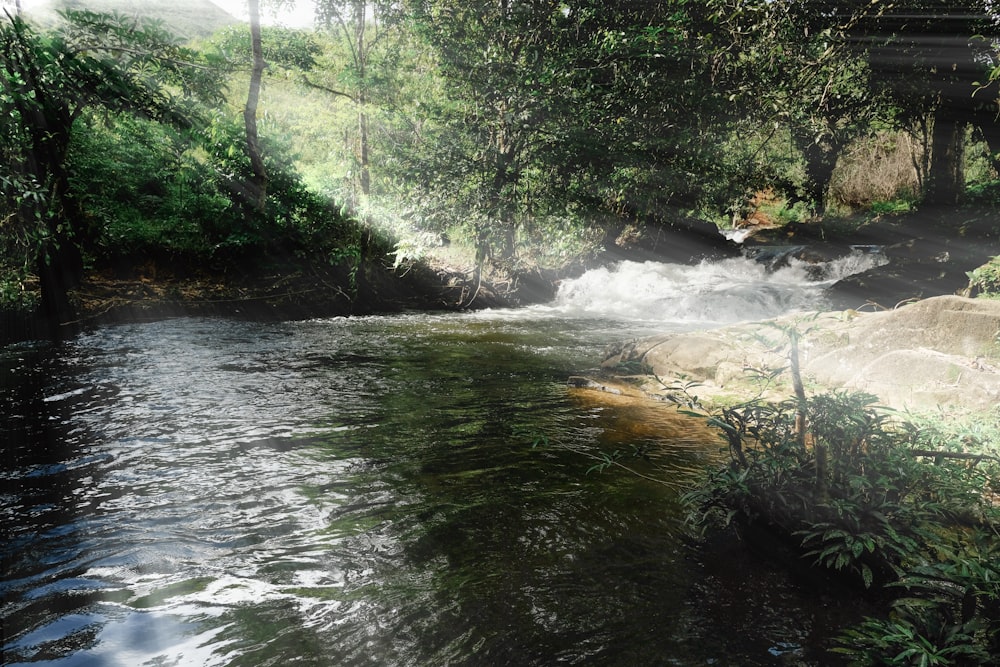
(931, 59)
(48, 80)
(258, 185)
(491, 53)
(361, 26)
(555, 105)
(832, 71)
(789, 66)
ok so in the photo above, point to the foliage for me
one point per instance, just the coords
(930, 60)
(295, 222)
(16, 293)
(153, 175)
(153, 192)
(790, 67)
(947, 612)
(501, 126)
(878, 508)
(49, 80)
(877, 172)
(141, 187)
(984, 281)
(286, 48)
(507, 126)
(543, 112)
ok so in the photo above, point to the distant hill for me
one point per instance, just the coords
(186, 18)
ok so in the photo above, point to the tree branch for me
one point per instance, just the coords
(326, 89)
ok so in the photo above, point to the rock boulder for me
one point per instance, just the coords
(940, 352)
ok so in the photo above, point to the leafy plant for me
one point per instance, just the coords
(895, 508)
(984, 281)
(908, 641)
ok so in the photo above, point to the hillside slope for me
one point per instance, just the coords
(186, 18)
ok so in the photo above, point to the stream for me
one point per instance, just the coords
(415, 489)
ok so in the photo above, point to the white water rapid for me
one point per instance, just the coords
(712, 292)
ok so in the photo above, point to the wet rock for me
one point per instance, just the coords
(930, 254)
(916, 269)
(938, 352)
(588, 383)
(678, 239)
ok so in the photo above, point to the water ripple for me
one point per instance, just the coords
(349, 492)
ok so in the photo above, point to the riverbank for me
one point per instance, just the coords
(144, 288)
(938, 353)
(878, 476)
(149, 291)
(926, 258)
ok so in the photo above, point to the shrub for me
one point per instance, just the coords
(149, 190)
(858, 493)
(142, 189)
(875, 169)
(984, 281)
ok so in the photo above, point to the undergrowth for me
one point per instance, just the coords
(906, 512)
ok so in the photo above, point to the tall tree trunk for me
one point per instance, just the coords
(946, 175)
(505, 173)
(258, 185)
(360, 9)
(55, 265)
(365, 178)
(820, 161)
(59, 261)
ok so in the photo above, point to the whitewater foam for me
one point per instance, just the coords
(730, 290)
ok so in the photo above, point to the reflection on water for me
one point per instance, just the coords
(372, 491)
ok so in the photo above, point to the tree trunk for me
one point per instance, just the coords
(991, 134)
(946, 175)
(56, 276)
(59, 259)
(505, 173)
(820, 161)
(258, 184)
(360, 8)
(822, 486)
(365, 176)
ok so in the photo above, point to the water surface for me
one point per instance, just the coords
(406, 490)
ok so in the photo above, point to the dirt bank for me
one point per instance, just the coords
(152, 292)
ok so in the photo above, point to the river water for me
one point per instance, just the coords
(414, 489)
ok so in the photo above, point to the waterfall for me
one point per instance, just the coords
(771, 283)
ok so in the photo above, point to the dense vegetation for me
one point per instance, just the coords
(532, 132)
(528, 131)
(902, 510)
(880, 504)
(118, 149)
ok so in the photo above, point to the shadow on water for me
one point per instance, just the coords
(358, 492)
(47, 492)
